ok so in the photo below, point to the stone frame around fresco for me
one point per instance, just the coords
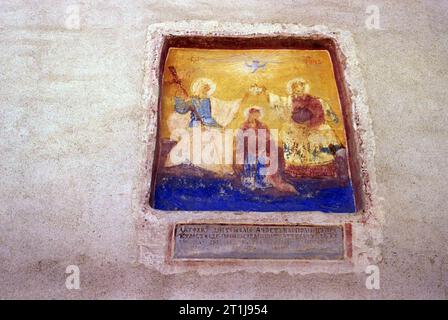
(155, 228)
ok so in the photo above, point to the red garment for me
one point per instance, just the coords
(275, 179)
(307, 108)
(256, 126)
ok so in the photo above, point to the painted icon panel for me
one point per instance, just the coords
(251, 130)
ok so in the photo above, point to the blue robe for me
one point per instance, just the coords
(252, 176)
(203, 108)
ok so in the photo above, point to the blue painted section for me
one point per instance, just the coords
(202, 107)
(212, 194)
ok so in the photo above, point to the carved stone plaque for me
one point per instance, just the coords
(244, 241)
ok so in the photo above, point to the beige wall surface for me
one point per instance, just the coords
(69, 120)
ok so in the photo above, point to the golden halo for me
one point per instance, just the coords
(197, 85)
(305, 83)
(246, 111)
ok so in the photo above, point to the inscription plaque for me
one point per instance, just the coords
(244, 241)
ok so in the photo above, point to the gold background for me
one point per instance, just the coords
(233, 79)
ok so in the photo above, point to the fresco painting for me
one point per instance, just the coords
(251, 130)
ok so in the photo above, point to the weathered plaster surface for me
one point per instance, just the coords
(71, 115)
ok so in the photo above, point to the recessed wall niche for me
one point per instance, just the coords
(286, 95)
(256, 156)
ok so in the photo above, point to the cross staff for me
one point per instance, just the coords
(178, 81)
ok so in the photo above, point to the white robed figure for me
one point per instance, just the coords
(201, 113)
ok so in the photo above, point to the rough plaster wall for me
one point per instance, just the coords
(69, 117)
